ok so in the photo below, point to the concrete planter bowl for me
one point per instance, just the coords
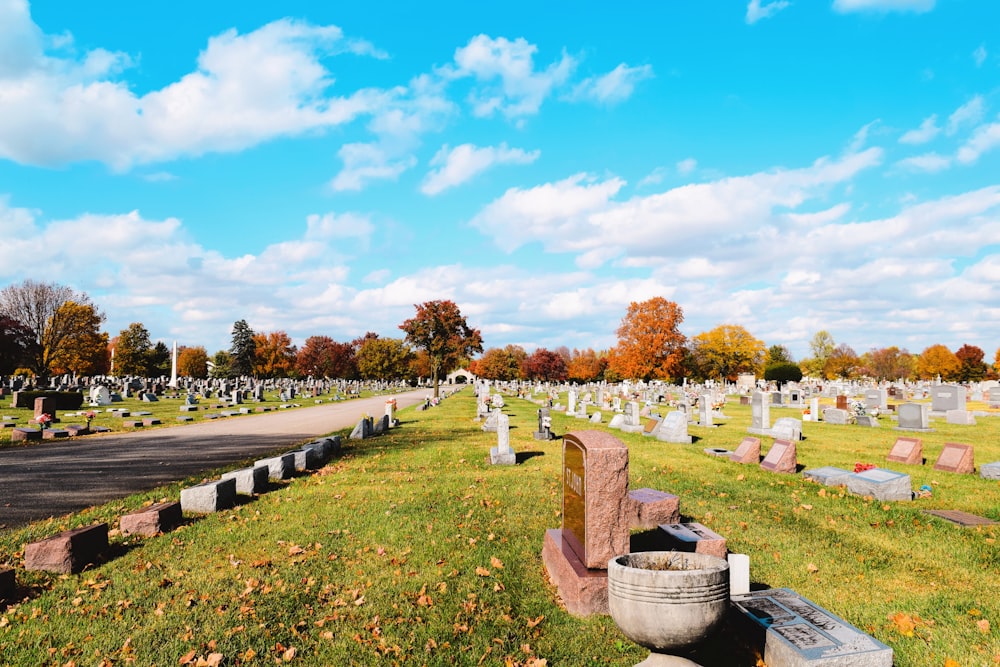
(668, 601)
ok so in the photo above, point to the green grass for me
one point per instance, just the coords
(412, 549)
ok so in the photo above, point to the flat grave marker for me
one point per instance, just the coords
(907, 450)
(957, 458)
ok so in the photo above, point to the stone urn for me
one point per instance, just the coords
(668, 601)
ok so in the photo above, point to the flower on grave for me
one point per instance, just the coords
(718, 405)
(861, 467)
(806, 411)
(858, 408)
(43, 420)
(89, 415)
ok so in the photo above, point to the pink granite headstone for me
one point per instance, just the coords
(956, 457)
(907, 450)
(747, 452)
(781, 457)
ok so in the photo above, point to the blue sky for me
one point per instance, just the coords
(320, 167)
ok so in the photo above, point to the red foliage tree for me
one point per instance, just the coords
(545, 365)
(321, 356)
(440, 329)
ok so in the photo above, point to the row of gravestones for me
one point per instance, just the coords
(598, 513)
(73, 550)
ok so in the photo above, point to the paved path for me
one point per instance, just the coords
(64, 476)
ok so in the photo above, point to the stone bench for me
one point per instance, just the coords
(279, 467)
(694, 537)
(795, 632)
(650, 508)
(249, 481)
(209, 497)
(68, 552)
(149, 521)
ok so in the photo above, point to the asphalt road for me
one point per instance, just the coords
(59, 477)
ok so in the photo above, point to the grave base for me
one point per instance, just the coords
(507, 457)
(583, 591)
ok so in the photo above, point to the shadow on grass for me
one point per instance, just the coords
(524, 456)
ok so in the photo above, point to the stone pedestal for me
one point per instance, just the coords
(583, 591)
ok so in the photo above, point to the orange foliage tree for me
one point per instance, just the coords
(586, 365)
(274, 354)
(192, 362)
(650, 345)
(938, 360)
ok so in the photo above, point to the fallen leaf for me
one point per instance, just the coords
(482, 572)
(288, 655)
(904, 624)
(533, 623)
(812, 567)
(187, 658)
(496, 562)
(984, 626)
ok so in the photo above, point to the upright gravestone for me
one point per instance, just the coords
(100, 396)
(993, 396)
(913, 417)
(595, 520)
(674, 428)
(947, 397)
(907, 450)
(781, 457)
(877, 399)
(705, 411)
(544, 431)
(571, 402)
(956, 458)
(632, 423)
(841, 402)
(760, 416)
(787, 428)
(502, 454)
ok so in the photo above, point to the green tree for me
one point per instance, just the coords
(783, 371)
(726, 351)
(778, 354)
(158, 360)
(973, 368)
(243, 353)
(650, 344)
(219, 366)
(38, 308)
(132, 348)
(440, 329)
(384, 359)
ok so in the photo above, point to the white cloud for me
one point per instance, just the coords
(248, 88)
(984, 138)
(330, 226)
(613, 87)
(462, 163)
(926, 132)
(918, 6)
(929, 163)
(969, 113)
(519, 89)
(979, 55)
(687, 166)
(756, 11)
(364, 163)
(860, 137)
(654, 177)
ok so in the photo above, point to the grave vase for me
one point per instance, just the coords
(668, 601)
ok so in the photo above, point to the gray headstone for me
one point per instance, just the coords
(673, 428)
(913, 417)
(787, 428)
(828, 475)
(881, 484)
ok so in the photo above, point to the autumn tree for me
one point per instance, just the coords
(323, 357)
(889, 363)
(546, 365)
(938, 360)
(586, 366)
(384, 359)
(502, 363)
(132, 350)
(192, 362)
(86, 352)
(36, 306)
(650, 345)
(440, 329)
(274, 355)
(972, 368)
(726, 351)
(16, 345)
(842, 362)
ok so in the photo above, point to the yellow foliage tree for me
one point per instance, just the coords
(85, 351)
(728, 350)
(938, 360)
(650, 345)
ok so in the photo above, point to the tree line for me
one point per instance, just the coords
(47, 328)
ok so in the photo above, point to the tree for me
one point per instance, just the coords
(938, 360)
(972, 369)
(778, 354)
(323, 357)
(889, 363)
(243, 353)
(219, 366)
(192, 362)
(650, 346)
(158, 360)
(842, 362)
(274, 356)
(502, 363)
(545, 365)
(16, 345)
(440, 329)
(783, 371)
(132, 348)
(384, 359)
(36, 307)
(726, 351)
(586, 366)
(822, 345)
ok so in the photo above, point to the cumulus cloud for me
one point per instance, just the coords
(918, 6)
(462, 163)
(613, 87)
(926, 132)
(968, 114)
(364, 163)
(247, 89)
(984, 138)
(757, 11)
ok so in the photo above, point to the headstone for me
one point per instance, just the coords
(799, 633)
(787, 428)
(760, 417)
(841, 402)
(827, 475)
(674, 428)
(544, 431)
(650, 425)
(907, 450)
(990, 470)
(946, 397)
(595, 418)
(747, 452)
(149, 397)
(705, 411)
(835, 416)
(502, 454)
(877, 398)
(993, 396)
(814, 409)
(959, 417)
(632, 423)
(250, 481)
(100, 396)
(45, 405)
(149, 521)
(617, 421)
(957, 458)
(68, 552)
(694, 537)
(880, 484)
(652, 507)
(278, 467)
(912, 417)
(781, 457)
(209, 497)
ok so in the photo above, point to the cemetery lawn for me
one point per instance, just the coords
(411, 549)
(166, 410)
